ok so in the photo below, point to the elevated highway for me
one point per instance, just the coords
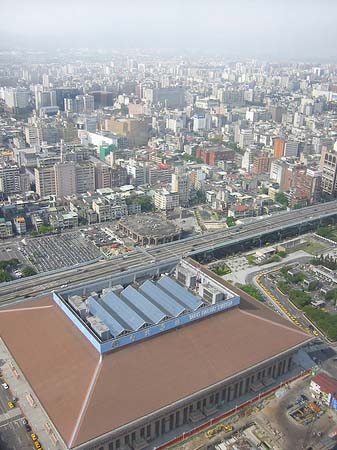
(301, 220)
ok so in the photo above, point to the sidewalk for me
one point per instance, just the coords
(28, 403)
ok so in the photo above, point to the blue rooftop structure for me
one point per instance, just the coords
(173, 288)
(116, 329)
(143, 305)
(134, 308)
(123, 310)
(162, 299)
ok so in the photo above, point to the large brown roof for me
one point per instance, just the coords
(86, 397)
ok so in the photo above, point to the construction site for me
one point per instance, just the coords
(288, 419)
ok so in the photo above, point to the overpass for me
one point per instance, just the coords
(276, 226)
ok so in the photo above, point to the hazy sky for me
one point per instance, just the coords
(276, 28)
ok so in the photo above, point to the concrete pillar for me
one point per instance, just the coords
(274, 371)
(284, 365)
(289, 363)
(229, 394)
(167, 424)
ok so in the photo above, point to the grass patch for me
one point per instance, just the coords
(325, 321)
(251, 290)
(251, 259)
(313, 248)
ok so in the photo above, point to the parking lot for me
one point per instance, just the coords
(13, 433)
(54, 252)
(11, 250)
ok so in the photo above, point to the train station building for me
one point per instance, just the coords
(117, 365)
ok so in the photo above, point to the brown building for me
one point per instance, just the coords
(279, 146)
(308, 185)
(211, 156)
(261, 164)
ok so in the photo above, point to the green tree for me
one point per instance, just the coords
(28, 271)
(281, 198)
(145, 203)
(230, 221)
(5, 276)
(44, 229)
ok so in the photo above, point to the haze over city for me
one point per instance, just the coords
(245, 28)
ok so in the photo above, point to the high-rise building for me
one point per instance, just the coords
(102, 176)
(15, 98)
(247, 160)
(80, 104)
(119, 176)
(138, 174)
(102, 99)
(261, 164)
(85, 177)
(181, 184)
(65, 179)
(291, 149)
(279, 145)
(277, 170)
(20, 225)
(276, 113)
(63, 93)
(171, 97)
(246, 138)
(45, 180)
(328, 166)
(10, 182)
(44, 98)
